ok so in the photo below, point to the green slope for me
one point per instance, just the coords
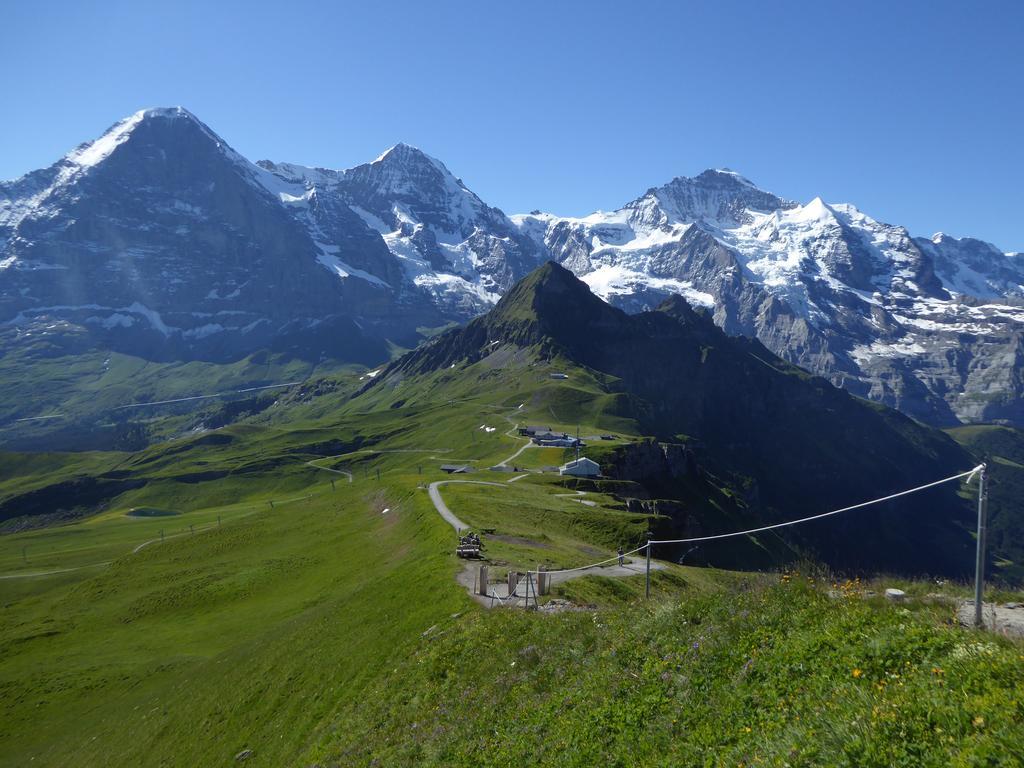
(1003, 449)
(776, 675)
(319, 623)
(786, 443)
(324, 631)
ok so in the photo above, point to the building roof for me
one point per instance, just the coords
(583, 461)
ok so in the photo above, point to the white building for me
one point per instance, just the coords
(581, 468)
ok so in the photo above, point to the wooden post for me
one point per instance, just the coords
(332, 485)
(218, 521)
(191, 529)
(979, 564)
(378, 475)
(161, 535)
(482, 585)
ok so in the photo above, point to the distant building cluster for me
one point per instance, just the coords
(543, 436)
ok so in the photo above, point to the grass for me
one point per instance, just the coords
(537, 522)
(243, 636)
(104, 537)
(1003, 449)
(251, 633)
(323, 630)
(760, 674)
(86, 391)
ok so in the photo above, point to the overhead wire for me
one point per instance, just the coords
(970, 474)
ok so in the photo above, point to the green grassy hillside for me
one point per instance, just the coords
(232, 590)
(783, 443)
(761, 673)
(52, 400)
(324, 630)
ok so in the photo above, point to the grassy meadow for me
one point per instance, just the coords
(319, 623)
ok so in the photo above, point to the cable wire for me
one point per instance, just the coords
(969, 475)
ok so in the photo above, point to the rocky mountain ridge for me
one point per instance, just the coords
(160, 240)
(800, 444)
(932, 327)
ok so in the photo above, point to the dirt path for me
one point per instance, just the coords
(136, 549)
(514, 456)
(442, 508)
(52, 573)
(498, 592)
(575, 496)
(314, 465)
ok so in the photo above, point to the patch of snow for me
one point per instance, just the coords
(906, 347)
(373, 222)
(203, 331)
(117, 319)
(329, 260)
(440, 283)
(154, 317)
(93, 153)
(610, 280)
(370, 374)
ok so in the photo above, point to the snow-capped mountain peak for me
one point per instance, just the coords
(159, 213)
(443, 239)
(93, 152)
(416, 188)
(822, 284)
(405, 154)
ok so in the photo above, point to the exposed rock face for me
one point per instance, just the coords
(791, 442)
(158, 239)
(447, 241)
(932, 327)
(649, 460)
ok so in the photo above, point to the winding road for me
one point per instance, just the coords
(466, 577)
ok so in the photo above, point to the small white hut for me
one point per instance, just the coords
(581, 468)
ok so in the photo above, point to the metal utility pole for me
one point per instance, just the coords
(979, 564)
(647, 585)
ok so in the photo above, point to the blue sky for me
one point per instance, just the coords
(914, 111)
